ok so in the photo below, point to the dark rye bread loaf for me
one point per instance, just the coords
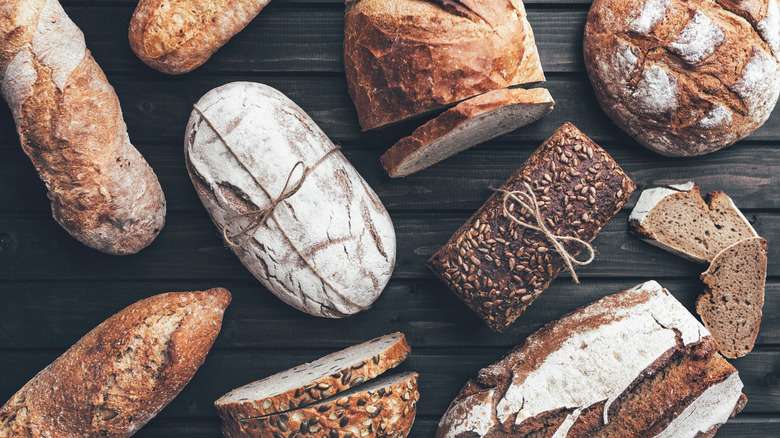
(497, 267)
(385, 407)
(636, 363)
(122, 373)
(308, 383)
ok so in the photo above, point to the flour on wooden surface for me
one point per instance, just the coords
(656, 93)
(698, 39)
(652, 13)
(718, 116)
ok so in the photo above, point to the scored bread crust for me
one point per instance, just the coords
(177, 36)
(396, 161)
(123, 372)
(406, 57)
(388, 411)
(352, 375)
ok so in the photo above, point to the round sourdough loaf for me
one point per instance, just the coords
(685, 78)
(329, 248)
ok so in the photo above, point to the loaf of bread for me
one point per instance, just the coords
(498, 267)
(469, 123)
(302, 220)
(70, 124)
(176, 37)
(122, 373)
(407, 57)
(685, 78)
(677, 219)
(636, 363)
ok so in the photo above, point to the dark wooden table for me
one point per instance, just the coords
(53, 290)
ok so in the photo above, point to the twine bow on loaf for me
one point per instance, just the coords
(527, 200)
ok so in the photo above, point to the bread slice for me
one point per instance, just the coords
(677, 219)
(308, 383)
(469, 123)
(731, 303)
(383, 407)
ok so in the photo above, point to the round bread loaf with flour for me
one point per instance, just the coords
(685, 78)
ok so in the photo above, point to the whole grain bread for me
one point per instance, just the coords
(636, 363)
(122, 373)
(385, 407)
(70, 124)
(677, 219)
(406, 57)
(327, 249)
(497, 267)
(308, 383)
(686, 77)
(177, 37)
(471, 122)
(733, 296)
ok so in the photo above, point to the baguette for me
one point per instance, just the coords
(70, 124)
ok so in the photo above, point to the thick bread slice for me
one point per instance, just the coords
(307, 383)
(626, 365)
(677, 219)
(384, 407)
(733, 296)
(470, 123)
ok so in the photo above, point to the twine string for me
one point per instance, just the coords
(527, 200)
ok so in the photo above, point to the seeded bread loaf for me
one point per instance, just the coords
(497, 267)
(677, 219)
(328, 246)
(733, 296)
(122, 373)
(70, 124)
(469, 123)
(385, 407)
(407, 57)
(636, 363)
(176, 37)
(308, 383)
(686, 77)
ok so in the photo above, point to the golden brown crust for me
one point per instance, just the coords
(123, 372)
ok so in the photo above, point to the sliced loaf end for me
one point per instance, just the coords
(469, 123)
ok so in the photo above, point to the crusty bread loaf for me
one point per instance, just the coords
(178, 36)
(731, 303)
(407, 57)
(469, 123)
(685, 78)
(70, 125)
(385, 407)
(122, 373)
(308, 383)
(636, 363)
(677, 219)
(329, 248)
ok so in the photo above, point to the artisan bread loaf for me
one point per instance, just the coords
(733, 296)
(308, 383)
(178, 36)
(384, 407)
(469, 123)
(70, 125)
(636, 363)
(122, 373)
(677, 219)
(406, 57)
(685, 78)
(303, 221)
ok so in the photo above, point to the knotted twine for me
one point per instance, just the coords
(530, 204)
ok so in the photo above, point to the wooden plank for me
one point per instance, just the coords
(55, 315)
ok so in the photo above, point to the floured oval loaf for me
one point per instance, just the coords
(636, 363)
(329, 248)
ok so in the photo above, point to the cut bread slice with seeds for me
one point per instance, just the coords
(469, 123)
(383, 407)
(677, 219)
(308, 383)
(734, 295)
